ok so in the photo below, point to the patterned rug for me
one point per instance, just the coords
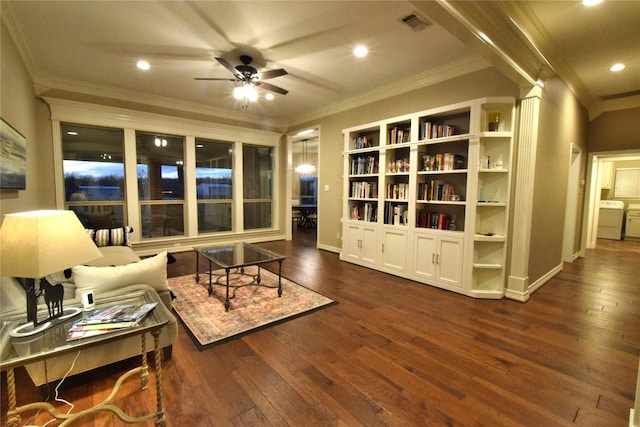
(253, 308)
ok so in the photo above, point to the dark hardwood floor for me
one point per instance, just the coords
(397, 353)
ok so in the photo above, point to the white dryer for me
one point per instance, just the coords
(610, 219)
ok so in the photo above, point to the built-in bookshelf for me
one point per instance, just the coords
(427, 195)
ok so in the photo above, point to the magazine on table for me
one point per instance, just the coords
(109, 320)
(119, 313)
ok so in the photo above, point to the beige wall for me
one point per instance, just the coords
(487, 82)
(19, 107)
(563, 121)
(615, 130)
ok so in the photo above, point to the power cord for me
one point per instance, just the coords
(57, 397)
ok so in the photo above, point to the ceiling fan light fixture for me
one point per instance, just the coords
(245, 92)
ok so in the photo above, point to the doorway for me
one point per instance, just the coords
(601, 176)
(569, 253)
(302, 186)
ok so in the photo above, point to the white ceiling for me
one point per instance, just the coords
(91, 47)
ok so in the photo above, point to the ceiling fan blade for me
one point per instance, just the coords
(213, 78)
(272, 88)
(227, 65)
(264, 75)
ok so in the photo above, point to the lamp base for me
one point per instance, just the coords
(28, 329)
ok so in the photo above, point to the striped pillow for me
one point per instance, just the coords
(111, 236)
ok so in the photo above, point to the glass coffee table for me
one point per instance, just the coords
(236, 257)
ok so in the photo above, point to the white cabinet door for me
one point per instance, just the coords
(360, 243)
(369, 248)
(449, 261)
(423, 256)
(394, 249)
(351, 242)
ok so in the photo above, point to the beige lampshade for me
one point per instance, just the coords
(37, 243)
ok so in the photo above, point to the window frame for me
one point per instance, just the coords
(131, 121)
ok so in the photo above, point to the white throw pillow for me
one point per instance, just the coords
(150, 271)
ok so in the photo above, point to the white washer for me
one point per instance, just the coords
(632, 228)
(610, 219)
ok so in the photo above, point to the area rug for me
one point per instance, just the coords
(253, 308)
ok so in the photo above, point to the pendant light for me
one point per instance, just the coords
(306, 167)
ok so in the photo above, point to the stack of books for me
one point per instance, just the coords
(109, 319)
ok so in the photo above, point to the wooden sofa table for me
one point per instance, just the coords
(52, 342)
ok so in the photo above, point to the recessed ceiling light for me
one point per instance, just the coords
(617, 67)
(143, 65)
(360, 51)
(72, 133)
(269, 97)
(591, 2)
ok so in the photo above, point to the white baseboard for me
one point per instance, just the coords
(544, 279)
(329, 248)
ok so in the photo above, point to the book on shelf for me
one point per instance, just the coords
(362, 141)
(364, 212)
(398, 135)
(396, 214)
(364, 189)
(442, 162)
(364, 165)
(435, 220)
(436, 130)
(110, 319)
(398, 191)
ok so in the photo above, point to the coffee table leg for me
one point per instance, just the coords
(210, 282)
(227, 303)
(280, 278)
(197, 267)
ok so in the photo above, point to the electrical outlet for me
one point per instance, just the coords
(337, 235)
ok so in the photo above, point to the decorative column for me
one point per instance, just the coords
(527, 142)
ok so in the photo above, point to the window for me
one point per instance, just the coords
(94, 174)
(308, 190)
(257, 172)
(160, 166)
(214, 185)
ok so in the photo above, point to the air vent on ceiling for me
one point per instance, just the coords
(415, 21)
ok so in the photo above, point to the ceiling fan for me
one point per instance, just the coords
(248, 75)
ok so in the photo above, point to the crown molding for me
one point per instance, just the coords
(45, 83)
(8, 17)
(541, 43)
(95, 114)
(626, 103)
(455, 69)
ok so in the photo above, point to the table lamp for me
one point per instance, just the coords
(36, 244)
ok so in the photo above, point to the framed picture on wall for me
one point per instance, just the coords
(13, 158)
